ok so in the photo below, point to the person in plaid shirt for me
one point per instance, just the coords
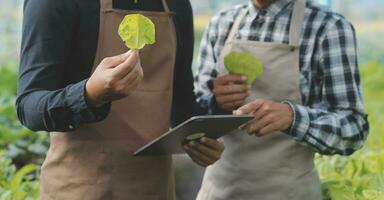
(308, 99)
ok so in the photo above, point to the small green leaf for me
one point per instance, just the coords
(19, 176)
(244, 64)
(136, 31)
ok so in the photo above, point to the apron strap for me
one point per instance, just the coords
(297, 22)
(108, 5)
(165, 5)
(236, 24)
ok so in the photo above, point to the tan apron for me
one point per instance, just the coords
(95, 162)
(274, 167)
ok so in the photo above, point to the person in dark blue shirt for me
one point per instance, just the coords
(101, 104)
(59, 42)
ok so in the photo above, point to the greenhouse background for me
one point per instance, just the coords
(360, 176)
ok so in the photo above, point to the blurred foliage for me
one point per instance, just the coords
(369, 47)
(17, 184)
(20, 144)
(360, 176)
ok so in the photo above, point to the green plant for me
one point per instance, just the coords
(8, 81)
(19, 144)
(17, 185)
(360, 176)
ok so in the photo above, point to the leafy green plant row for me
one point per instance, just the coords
(18, 143)
(360, 176)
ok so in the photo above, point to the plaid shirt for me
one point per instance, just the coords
(331, 117)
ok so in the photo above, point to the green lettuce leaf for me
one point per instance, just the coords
(136, 31)
(244, 64)
(373, 195)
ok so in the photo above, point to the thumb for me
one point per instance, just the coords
(243, 110)
(248, 108)
(128, 65)
(111, 62)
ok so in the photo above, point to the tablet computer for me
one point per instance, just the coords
(211, 126)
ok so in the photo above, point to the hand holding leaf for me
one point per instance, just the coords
(136, 31)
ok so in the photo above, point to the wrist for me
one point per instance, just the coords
(91, 96)
(290, 117)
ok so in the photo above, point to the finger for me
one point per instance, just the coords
(231, 106)
(194, 157)
(250, 107)
(196, 160)
(212, 154)
(232, 98)
(136, 83)
(268, 129)
(254, 128)
(239, 103)
(115, 60)
(230, 78)
(136, 73)
(129, 81)
(247, 124)
(264, 110)
(191, 146)
(212, 143)
(230, 89)
(127, 66)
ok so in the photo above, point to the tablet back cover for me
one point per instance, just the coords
(213, 126)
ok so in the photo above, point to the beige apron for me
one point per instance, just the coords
(274, 167)
(95, 162)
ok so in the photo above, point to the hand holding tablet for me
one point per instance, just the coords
(210, 126)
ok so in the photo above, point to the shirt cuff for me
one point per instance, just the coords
(301, 121)
(82, 111)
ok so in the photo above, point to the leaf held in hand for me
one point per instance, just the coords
(245, 64)
(136, 31)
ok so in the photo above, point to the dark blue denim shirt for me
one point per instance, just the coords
(59, 43)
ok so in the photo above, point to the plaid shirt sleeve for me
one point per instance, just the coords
(337, 123)
(206, 71)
